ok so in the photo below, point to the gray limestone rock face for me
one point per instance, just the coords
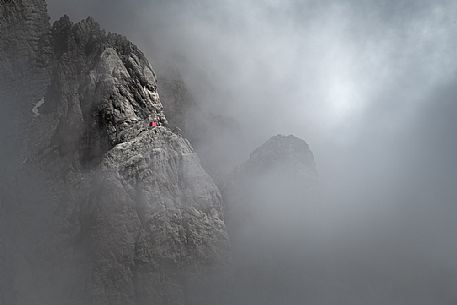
(162, 222)
(100, 208)
(102, 91)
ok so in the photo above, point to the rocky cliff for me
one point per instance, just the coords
(100, 208)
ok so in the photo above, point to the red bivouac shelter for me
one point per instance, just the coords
(153, 124)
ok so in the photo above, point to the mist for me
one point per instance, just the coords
(345, 76)
(370, 85)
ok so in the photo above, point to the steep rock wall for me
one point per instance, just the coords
(102, 209)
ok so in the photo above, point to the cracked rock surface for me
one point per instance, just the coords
(99, 208)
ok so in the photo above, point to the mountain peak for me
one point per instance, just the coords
(281, 152)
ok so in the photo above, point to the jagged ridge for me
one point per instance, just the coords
(131, 215)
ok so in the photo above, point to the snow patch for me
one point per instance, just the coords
(36, 108)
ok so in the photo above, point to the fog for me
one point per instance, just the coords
(370, 85)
